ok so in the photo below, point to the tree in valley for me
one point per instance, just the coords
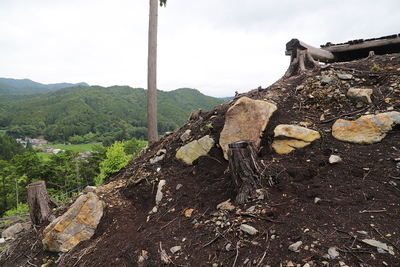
(9, 147)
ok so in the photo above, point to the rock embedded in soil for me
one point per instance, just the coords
(367, 129)
(192, 151)
(226, 205)
(295, 246)
(334, 159)
(77, 224)
(360, 95)
(326, 80)
(159, 194)
(289, 137)
(245, 120)
(185, 136)
(159, 156)
(333, 253)
(344, 76)
(175, 249)
(12, 231)
(248, 229)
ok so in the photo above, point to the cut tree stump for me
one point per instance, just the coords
(40, 204)
(244, 169)
(300, 63)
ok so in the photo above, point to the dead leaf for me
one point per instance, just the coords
(188, 213)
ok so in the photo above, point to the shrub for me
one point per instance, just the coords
(22, 208)
(115, 160)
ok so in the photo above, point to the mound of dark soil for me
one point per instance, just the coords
(330, 208)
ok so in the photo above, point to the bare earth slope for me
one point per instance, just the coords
(328, 207)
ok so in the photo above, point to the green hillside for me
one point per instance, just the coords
(26, 86)
(98, 113)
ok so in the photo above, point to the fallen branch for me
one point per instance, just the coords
(372, 211)
(262, 258)
(164, 256)
(162, 227)
(237, 254)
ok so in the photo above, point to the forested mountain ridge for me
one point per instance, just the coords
(26, 86)
(116, 112)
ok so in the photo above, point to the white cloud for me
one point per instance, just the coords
(218, 47)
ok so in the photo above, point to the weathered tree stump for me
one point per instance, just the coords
(244, 169)
(39, 202)
(300, 63)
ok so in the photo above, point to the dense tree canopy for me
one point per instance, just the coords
(9, 147)
(96, 113)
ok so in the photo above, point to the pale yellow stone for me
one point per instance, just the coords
(245, 120)
(290, 137)
(287, 146)
(296, 132)
(362, 95)
(367, 129)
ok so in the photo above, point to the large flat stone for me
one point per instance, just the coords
(76, 225)
(367, 129)
(289, 137)
(245, 120)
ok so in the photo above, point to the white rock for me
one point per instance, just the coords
(159, 194)
(295, 246)
(344, 76)
(248, 229)
(251, 209)
(333, 253)
(12, 231)
(175, 249)
(157, 159)
(363, 232)
(334, 159)
(185, 136)
(2, 240)
(382, 247)
(178, 186)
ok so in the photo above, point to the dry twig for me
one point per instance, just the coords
(237, 254)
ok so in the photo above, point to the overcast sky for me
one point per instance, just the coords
(215, 46)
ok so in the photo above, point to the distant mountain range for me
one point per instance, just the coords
(115, 112)
(10, 86)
